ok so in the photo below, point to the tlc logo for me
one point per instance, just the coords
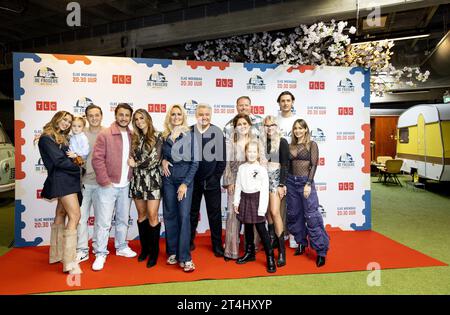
(316, 85)
(257, 110)
(346, 186)
(224, 83)
(121, 79)
(156, 108)
(38, 194)
(321, 161)
(345, 111)
(45, 105)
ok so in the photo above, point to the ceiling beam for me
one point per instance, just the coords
(89, 17)
(31, 14)
(426, 20)
(391, 20)
(10, 35)
(241, 22)
(61, 6)
(122, 6)
(411, 95)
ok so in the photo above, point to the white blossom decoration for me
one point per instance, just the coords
(317, 44)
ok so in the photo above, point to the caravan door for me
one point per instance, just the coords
(421, 147)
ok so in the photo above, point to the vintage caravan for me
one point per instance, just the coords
(423, 141)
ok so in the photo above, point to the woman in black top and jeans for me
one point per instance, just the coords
(302, 203)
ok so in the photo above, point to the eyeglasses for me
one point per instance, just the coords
(270, 126)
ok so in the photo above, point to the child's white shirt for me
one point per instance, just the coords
(79, 144)
(251, 178)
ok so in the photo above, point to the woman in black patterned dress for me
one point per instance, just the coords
(146, 184)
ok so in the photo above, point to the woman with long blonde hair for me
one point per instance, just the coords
(179, 168)
(304, 220)
(63, 183)
(276, 158)
(146, 183)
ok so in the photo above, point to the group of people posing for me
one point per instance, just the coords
(267, 165)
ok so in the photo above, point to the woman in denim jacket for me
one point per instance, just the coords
(179, 168)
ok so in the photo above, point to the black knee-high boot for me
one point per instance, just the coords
(144, 235)
(273, 236)
(264, 235)
(154, 245)
(249, 254)
(281, 251)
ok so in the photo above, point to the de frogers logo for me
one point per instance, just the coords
(256, 83)
(318, 135)
(81, 104)
(157, 80)
(346, 85)
(46, 76)
(346, 161)
(190, 106)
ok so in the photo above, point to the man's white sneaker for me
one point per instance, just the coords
(99, 263)
(126, 252)
(82, 256)
(172, 260)
(292, 242)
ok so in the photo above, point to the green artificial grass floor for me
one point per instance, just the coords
(416, 218)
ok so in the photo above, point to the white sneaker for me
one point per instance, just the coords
(292, 242)
(82, 256)
(172, 260)
(126, 252)
(99, 263)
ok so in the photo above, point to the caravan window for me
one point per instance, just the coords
(404, 135)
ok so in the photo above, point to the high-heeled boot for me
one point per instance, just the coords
(56, 243)
(281, 251)
(300, 250)
(154, 245)
(271, 266)
(320, 261)
(69, 259)
(249, 254)
(144, 236)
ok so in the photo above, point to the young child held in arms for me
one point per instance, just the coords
(251, 198)
(79, 143)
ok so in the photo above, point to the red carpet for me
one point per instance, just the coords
(26, 270)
